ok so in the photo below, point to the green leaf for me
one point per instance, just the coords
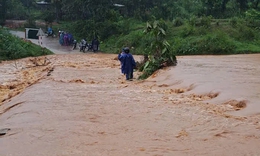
(146, 65)
(162, 31)
(164, 50)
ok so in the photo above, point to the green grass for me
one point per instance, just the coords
(247, 48)
(223, 38)
(12, 47)
(219, 36)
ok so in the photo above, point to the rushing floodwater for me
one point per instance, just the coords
(84, 107)
(235, 77)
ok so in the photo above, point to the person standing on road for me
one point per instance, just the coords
(95, 44)
(50, 31)
(128, 64)
(61, 40)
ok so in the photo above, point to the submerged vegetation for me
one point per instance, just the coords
(181, 27)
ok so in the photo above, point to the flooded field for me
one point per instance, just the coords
(79, 104)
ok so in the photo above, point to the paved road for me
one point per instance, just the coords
(49, 42)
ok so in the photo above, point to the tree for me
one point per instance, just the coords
(16, 10)
(160, 53)
(224, 5)
(243, 4)
(3, 8)
(58, 9)
(254, 3)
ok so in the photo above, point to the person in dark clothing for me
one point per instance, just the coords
(74, 44)
(128, 64)
(95, 44)
(120, 58)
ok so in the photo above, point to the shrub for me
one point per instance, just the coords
(178, 22)
(30, 23)
(234, 22)
(192, 21)
(215, 43)
(246, 33)
(205, 21)
(187, 30)
(160, 53)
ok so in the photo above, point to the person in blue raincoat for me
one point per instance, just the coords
(50, 31)
(120, 58)
(128, 64)
(61, 38)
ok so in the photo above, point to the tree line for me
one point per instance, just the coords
(141, 9)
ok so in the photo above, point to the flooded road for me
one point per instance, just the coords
(79, 104)
(234, 77)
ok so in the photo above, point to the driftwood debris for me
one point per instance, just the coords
(40, 62)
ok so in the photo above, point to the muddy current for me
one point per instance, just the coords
(234, 78)
(79, 104)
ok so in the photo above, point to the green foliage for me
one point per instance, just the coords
(12, 47)
(17, 11)
(212, 43)
(191, 39)
(148, 68)
(235, 22)
(159, 52)
(30, 23)
(178, 22)
(253, 14)
(205, 21)
(187, 30)
(192, 20)
(48, 16)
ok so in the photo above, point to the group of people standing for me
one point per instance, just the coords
(127, 63)
(65, 38)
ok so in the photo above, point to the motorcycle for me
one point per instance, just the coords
(82, 46)
(89, 46)
(52, 34)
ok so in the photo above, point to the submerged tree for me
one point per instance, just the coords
(159, 53)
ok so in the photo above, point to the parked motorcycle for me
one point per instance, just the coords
(82, 45)
(52, 34)
(89, 47)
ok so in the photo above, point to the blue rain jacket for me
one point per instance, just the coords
(128, 63)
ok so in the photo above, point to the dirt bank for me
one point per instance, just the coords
(80, 105)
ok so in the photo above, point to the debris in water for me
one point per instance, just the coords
(163, 85)
(4, 131)
(77, 81)
(182, 133)
(237, 105)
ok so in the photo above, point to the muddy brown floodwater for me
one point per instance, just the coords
(78, 104)
(235, 78)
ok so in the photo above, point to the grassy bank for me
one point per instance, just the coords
(198, 36)
(12, 47)
(202, 37)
